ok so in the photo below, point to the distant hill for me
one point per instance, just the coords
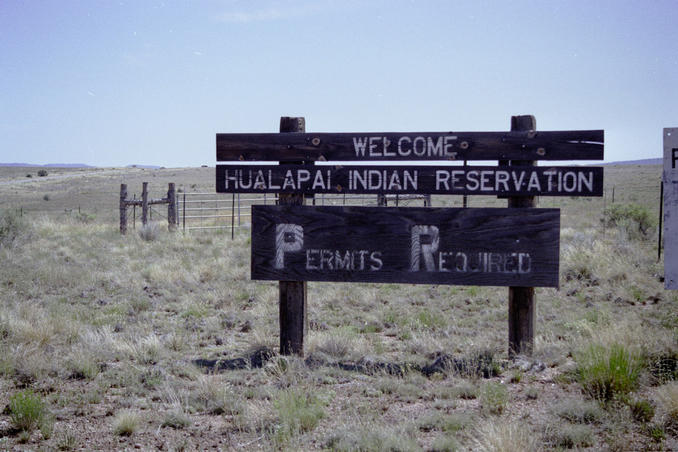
(657, 161)
(50, 165)
(144, 166)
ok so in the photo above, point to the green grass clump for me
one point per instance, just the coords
(608, 372)
(569, 436)
(449, 423)
(28, 411)
(642, 410)
(493, 397)
(298, 412)
(445, 444)
(176, 419)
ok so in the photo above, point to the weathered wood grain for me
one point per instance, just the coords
(437, 180)
(489, 247)
(524, 145)
(521, 300)
(293, 295)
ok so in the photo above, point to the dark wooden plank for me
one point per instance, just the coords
(437, 180)
(555, 145)
(489, 247)
(293, 295)
(521, 300)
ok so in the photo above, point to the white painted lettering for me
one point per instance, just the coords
(442, 178)
(288, 238)
(501, 179)
(423, 248)
(534, 182)
(570, 181)
(404, 151)
(585, 179)
(377, 263)
(359, 144)
(472, 180)
(374, 143)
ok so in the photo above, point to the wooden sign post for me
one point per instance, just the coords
(516, 247)
(670, 179)
(293, 293)
(521, 299)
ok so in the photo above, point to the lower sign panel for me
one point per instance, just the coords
(486, 247)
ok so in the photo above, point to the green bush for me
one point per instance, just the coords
(635, 219)
(28, 411)
(493, 397)
(608, 372)
(42, 173)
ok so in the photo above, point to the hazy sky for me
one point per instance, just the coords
(149, 82)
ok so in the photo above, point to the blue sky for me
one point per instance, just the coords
(150, 82)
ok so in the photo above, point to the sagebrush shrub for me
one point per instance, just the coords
(633, 218)
(11, 227)
(27, 410)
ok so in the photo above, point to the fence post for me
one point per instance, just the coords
(464, 198)
(661, 218)
(171, 207)
(123, 208)
(521, 309)
(232, 215)
(144, 204)
(183, 206)
(293, 294)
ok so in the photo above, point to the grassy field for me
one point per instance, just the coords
(159, 340)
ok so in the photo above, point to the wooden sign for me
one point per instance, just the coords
(436, 180)
(670, 178)
(488, 247)
(518, 145)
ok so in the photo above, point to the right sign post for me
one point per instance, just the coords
(670, 179)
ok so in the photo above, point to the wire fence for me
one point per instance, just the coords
(210, 211)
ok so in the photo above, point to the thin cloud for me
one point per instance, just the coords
(279, 11)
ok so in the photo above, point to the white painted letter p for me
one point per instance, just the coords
(288, 238)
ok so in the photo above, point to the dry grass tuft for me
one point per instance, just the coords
(126, 423)
(667, 399)
(503, 435)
